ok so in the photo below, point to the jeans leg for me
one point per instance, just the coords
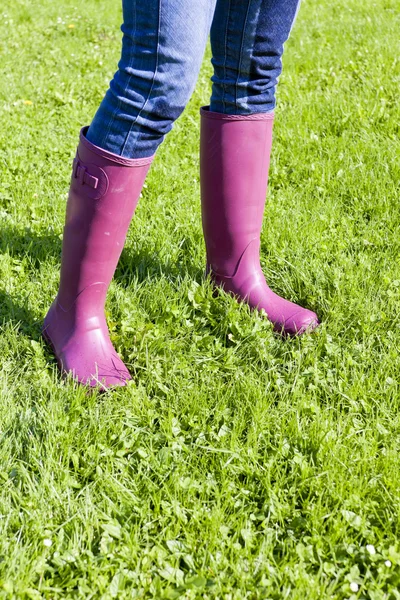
(247, 39)
(162, 49)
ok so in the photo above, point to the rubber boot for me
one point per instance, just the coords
(234, 162)
(103, 195)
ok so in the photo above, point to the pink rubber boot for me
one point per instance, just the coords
(234, 162)
(104, 192)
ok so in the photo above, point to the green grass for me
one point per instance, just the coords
(235, 465)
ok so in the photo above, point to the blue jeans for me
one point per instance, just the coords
(162, 51)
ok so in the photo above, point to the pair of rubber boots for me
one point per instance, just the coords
(105, 188)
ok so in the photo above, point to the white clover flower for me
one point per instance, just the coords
(354, 586)
(371, 549)
(47, 542)
(388, 563)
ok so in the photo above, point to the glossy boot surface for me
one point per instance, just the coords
(234, 162)
(103, 195)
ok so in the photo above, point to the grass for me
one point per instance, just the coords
(236, 465)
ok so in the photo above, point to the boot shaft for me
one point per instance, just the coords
(234, 162)
(103, 196)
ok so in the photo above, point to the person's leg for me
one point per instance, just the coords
(163, 46)
(162, 50)
(247, 38)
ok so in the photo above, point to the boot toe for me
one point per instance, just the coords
(99, 375)
(89, 356)
(103, 373)
(303, 321)
(113, 374)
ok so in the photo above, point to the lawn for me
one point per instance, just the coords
(236, 465)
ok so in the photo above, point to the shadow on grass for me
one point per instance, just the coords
(40, 248)
(145, 265)
(142, 265)
(36, 248)
(27, 243)
(17, 314)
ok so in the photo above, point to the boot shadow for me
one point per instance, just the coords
(37, 248)
(141, 265)
(19, 316)
(144, 264)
